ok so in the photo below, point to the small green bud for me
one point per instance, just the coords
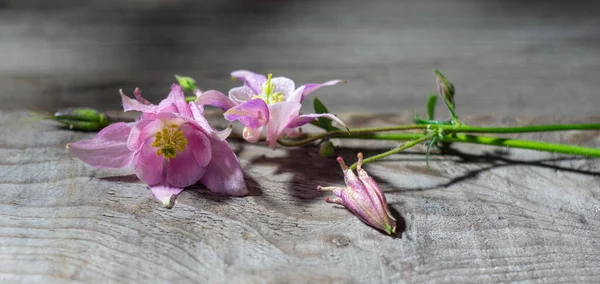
(82, 125)
(186, 83)
(87, 119)
(81, 114)
(327, 149)
(445, 88)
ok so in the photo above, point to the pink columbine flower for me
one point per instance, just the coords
(363, 197)
(264, 100)
(170, 147)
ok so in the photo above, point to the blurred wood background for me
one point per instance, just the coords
(481, 215)
(510, 57)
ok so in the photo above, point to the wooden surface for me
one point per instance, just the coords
(481, 215)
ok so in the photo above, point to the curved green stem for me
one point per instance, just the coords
(396, 150)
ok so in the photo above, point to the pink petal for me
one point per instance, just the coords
(353, 182)
(131, 104)
(372, 188)
(148, 164)
(254, 113)
(251, 135)
(281, 114)
(142, 130)
(165, 194)
(283, 85)
(215, 98)
(309, 88)
(107, 150)
(296, 96)
(250, 79)
(204, 125)
(360, 206)
(175, 98)
(138, 96)
(306, 118)
(292, 133)
(224, 174)
(240, 95)
(375, 192)
(189, 166)
(152, 123)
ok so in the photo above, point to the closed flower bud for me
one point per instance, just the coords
(186, 83)
(445, 88)
(363, 197)
(86, 119)
(327, 149)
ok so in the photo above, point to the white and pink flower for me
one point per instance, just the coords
(266, 101)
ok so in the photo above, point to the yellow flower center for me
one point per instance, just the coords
(267, 92)
(169, 141)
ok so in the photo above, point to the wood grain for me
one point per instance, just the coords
(480, 215)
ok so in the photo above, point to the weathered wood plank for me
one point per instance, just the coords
(478, 216)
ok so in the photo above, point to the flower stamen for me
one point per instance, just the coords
(267, 92)
(169, 141)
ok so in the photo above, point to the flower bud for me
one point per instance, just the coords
(363, 197)
(186, 83)
(86, 119)
(327, 149)
(445, 88)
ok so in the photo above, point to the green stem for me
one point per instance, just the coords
(396, 150)
(347, 134)
(487, 140)
(483, 140)
(354, 133)
(523, 144)
(517, 129)
(450, 106)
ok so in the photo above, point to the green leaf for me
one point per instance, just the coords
(324, 122)
(419, 120)
(319, 106)
(431, 101)
(186, 83)
(427, 153)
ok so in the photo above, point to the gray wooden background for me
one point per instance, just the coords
(481, 215)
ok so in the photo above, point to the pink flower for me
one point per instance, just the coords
(170, 147)
(274, 102)
(363, 197)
